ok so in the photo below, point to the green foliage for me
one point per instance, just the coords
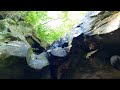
(50, 27)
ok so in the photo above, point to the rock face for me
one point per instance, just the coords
(14, 48)
(13, 51)
(94, 41)
(100, 22)
(90, 54)
(101, 63)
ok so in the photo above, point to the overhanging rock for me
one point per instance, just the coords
(13, 48)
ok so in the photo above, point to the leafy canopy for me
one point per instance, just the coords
(51, 25)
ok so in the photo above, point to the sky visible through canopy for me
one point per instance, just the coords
(51, 25)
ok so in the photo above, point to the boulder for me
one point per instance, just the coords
(59, 52)
(36, 61)
(115, 61)
(13, 48)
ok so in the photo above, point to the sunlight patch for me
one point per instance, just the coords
(55, 23)
(54, 14)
